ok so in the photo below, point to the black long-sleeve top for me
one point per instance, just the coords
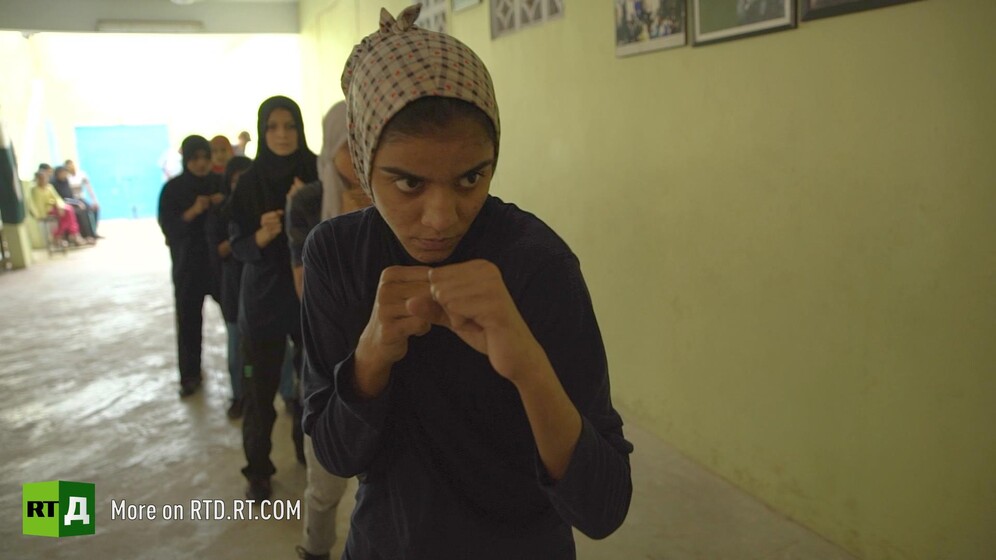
(63, 188)
(448, 463)
(188, 245)
(268, 304)
(228, 268)
(304, 212)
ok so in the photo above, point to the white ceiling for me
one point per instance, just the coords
(209, 16)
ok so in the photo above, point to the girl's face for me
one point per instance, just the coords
(220, 154)
(343, 163)
(62, 175)
(200, 164)
(281, 132)
(430, 188)
(353, 197)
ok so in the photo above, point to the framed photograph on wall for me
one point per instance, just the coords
(721, 20)
(464, 4)
(815, 9)
(649, 25)
(432, 16)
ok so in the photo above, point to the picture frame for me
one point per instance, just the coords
(721, 20)
(433, 16)
(649, 25)
(817, 9)
(459, 5)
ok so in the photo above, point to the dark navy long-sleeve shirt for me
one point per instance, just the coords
(188, 245)
(230, 275)
(303, 213)
(268, 304)
(447, 461)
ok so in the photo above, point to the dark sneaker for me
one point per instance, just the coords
(235, 409)
(189, 387)
(305, 555)
(259, 489)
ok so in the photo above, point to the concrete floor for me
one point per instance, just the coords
(88, 393)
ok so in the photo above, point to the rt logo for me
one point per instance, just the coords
(58, 509)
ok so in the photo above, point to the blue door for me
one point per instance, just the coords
(123, 165)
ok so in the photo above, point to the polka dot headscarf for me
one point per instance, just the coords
(398, 64)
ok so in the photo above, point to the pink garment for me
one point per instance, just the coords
(67, 222)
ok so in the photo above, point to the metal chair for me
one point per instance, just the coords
(53, 244)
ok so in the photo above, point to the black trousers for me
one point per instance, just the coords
(263, 361)
(94, 216)
(86, 216)
(189, 321)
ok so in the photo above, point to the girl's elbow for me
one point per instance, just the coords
(610, 519)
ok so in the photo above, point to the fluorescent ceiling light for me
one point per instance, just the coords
(149, 26)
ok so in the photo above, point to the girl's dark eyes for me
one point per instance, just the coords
(470, 180)
(412, 184)
(407, 184)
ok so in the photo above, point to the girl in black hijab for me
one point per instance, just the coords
(60, 180)
(269, 311)
(182, 206)
(229, 270)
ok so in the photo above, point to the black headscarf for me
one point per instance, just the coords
(189, 149)
(278, 172)
(237, 164)
(191, 145)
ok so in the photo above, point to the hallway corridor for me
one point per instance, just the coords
(88, 393)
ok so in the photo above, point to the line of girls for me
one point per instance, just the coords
(193, 218)
(238, 237)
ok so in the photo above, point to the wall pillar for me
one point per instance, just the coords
(19, 244)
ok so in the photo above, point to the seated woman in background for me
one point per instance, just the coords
(79, 181)
(60, 180)
(45, 201)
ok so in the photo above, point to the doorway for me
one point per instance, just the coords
(123, 163)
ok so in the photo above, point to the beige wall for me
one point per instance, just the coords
(15, 89)
(328, 32)
(789, 242)
(195, 84)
